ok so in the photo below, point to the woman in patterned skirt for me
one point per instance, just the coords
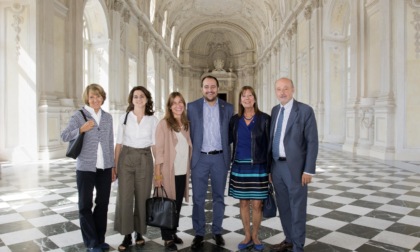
(249, 130)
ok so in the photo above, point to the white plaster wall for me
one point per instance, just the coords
(412, 85)
(18, 141)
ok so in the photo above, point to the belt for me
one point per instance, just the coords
(282, 158)
(214, 152)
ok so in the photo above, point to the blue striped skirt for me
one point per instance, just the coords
(248, 181)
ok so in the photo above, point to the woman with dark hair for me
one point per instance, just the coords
(172, 159)
(94, 165)
(249, 130)
(134, 166)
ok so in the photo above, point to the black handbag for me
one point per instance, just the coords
(161, 211)
(269, 204)
(75, 145)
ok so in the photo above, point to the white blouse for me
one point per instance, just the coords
(100, 163)
(137, 135)
(181, 157)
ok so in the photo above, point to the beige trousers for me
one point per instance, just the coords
(135, 174)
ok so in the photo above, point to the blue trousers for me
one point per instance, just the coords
(93, 223)
(291, 199)
(213, 167)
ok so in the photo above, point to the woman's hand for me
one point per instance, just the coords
(87, 126)
(158, 180)
(114, 174)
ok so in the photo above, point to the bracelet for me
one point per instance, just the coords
(158, 177)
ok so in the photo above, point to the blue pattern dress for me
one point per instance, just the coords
(247, 180)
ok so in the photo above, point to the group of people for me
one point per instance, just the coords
(279, 149)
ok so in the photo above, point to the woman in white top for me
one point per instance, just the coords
(134, 165)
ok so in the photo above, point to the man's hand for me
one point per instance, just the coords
(306, 179)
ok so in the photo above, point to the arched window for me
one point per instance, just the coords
(151, 73)
(85, 53)
(152, 10)
(164, 24)
(172, 37)
(171, 80)
(179, 47)
(95, 46)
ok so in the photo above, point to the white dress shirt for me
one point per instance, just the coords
(137, 135)
(287, 109)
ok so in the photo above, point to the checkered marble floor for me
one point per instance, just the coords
(355, 204)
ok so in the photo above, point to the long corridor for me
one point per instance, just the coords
(355, 204)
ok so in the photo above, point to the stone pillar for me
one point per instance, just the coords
(158, 87)
(384, 108)
(115, 96)
(353, 123)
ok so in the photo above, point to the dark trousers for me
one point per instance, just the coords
(180, 180)
(93, 223)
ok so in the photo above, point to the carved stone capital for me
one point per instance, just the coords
(17, 9)
(308, 12)
(316, 4)
(289, 34)
(294, 27)
(414, 3)
(117, 5)
(126, 16)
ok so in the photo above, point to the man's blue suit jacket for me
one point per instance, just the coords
(195, 116)
(300, 139)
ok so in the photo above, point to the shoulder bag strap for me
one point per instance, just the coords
(84, 116)
(125, 120)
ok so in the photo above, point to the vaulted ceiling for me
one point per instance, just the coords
(238, 28)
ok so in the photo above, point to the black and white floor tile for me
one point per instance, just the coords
(355, 204)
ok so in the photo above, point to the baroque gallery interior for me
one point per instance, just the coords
(355, 62)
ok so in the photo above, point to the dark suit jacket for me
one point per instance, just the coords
(300, 139)
(195, 116)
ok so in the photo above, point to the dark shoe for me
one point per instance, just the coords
(95, 249)
(139, 240)
(197, 242)
(170, 245)
(282, 247)
(178, 240)
(126, 243)
(104, 246)
(259, 247)
(242, 246)
(219, 240)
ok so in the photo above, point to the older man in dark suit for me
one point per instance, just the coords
(209, 126)
(294, 140)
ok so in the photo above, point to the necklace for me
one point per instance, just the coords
(250, 118)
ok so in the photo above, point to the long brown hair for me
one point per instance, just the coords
(149, 104)
(169, 115)
(240, 107)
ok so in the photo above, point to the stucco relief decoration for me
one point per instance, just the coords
(127, 16)
(17, 9)
(289, 34)
(218, 7)
(414, 3)
(308, 12)
(416, 23)
(116, 5)
(218, 49)
(316, 3)
(99, 52)
(122, 32)
(219, 64)
(366, 117)
(339, 18)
